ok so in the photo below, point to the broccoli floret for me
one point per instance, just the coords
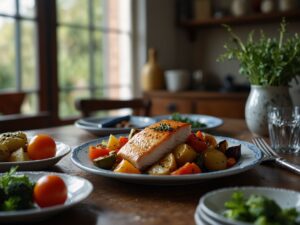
(17, 191)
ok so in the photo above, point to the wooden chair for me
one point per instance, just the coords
(88, 106)
(10, 103)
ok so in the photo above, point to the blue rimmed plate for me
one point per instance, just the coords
(250, 157)
(91, 124)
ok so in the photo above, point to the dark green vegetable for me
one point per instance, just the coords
(106, 162)
(17, 191)
(259, 210)
(194, 123)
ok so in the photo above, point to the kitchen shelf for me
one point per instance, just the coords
(192, 25)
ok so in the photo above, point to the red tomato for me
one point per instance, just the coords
(188, 168)
(50, 190)
(199, 135)
(122, 141)
(41, 146)
(196, 143)
(97, 151)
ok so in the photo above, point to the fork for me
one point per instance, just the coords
(272, 155)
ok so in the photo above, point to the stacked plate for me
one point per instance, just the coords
(211, 205)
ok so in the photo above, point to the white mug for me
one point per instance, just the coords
(177, 80)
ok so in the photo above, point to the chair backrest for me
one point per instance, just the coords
(10, 103)
(88, 106)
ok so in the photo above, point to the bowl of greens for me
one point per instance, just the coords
(251, 205)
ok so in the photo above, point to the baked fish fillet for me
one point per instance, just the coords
(148, 146)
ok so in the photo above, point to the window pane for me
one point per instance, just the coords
(98, 7)
(67, 102)
(29, 64)
(30, 104)
(27, 8)
(72, 11)
(98, 59)
(7, 60)
(8, 7)
(73, 65)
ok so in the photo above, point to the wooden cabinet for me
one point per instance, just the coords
(230, 105)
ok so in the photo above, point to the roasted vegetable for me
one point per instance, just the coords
(234, 152)
(13, 140)
(222, 146)
(184, 153)
(196, 143)
(106, 162)
(165, 166)
(4, 153)
(188, 168)
(126, 167)
(210, 140)
(19, 155)
(113, 143)
(214, 159)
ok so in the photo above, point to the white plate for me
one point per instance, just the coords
(78, 190)
(210, 121)
(91, 124)
(212, 203)
(251, 156)
(61, 150)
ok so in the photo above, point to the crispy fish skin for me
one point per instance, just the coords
(151, 144)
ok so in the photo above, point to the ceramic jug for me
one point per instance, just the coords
(152, 74)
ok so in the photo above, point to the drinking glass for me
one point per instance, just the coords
(284, 128)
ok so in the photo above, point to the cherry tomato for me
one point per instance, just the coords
(196, 143)
(122, 141)
(41, 146)
(50, 190)
(97, 151)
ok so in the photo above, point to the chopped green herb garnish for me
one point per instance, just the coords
(194, 123)
(163, 127)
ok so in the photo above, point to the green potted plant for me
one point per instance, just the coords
(270, 64)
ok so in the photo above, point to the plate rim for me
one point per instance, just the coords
(165, 178)
(87, 191)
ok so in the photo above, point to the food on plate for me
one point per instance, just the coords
(10, 142)
(258, 210)
(14, 147)
(41, 146)
(152, 143)
(18, 192)
(194, 123)
(15, 191)
(50, 190)
(164, 148)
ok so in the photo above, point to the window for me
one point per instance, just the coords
(18, 58)
(93, 41)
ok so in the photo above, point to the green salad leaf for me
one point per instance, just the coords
(259, 210)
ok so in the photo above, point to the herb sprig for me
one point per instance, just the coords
(267, 61)
(163, 127)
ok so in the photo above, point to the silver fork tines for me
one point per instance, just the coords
(270, 154)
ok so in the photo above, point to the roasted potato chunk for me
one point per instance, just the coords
(165, 166)
(13, 140)
(215, 160)
(184, 153)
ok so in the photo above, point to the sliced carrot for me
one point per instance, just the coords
(199, 135)
(188, 168)
(97, 151)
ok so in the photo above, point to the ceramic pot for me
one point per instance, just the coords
(152, 74)
(257, 103)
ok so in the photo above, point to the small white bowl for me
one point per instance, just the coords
(212, 203)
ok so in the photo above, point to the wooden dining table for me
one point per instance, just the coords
(115, 202)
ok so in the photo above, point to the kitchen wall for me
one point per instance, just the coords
(177, 51)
